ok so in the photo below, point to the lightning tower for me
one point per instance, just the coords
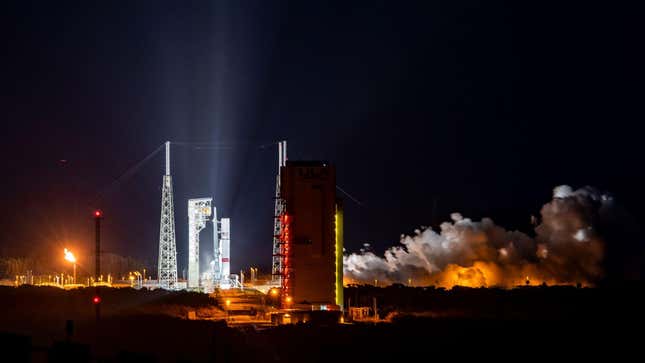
(278, 253)
(167, 269)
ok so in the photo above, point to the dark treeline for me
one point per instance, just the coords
(111, 263)
(527, 303)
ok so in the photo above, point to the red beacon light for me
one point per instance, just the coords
(98, 213)
(96, 300)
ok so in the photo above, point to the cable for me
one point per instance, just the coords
(349, 195)
(220, 146)
(194, 145)
(129, 172)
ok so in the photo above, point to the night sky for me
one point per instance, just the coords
(475, 107)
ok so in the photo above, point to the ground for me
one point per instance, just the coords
(423, 322)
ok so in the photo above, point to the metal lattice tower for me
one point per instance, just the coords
(276, 266)
(167, 271)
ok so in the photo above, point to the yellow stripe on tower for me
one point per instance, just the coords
(338, 224)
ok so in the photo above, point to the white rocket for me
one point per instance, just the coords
(221, 251)
(225, 256)
(217, 256)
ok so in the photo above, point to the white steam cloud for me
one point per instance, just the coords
(566, 249)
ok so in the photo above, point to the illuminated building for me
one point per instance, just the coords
(311, 236)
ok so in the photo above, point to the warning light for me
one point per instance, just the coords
(97, 213)
(96, 300)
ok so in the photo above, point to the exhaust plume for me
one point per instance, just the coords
(566, 249)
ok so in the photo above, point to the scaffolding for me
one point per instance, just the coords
(278, 253)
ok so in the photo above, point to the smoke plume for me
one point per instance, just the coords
(566, 249)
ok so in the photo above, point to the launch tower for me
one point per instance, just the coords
(278, 253)
(199, 210)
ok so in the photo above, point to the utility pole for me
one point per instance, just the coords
(97, 248)
(97, 271)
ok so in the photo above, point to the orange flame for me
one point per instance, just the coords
(484, 274)
(69, 256)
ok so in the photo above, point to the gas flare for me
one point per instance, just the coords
(69, 256)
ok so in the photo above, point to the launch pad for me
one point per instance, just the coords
(200, 210)
(307, 240)
(218, 275)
